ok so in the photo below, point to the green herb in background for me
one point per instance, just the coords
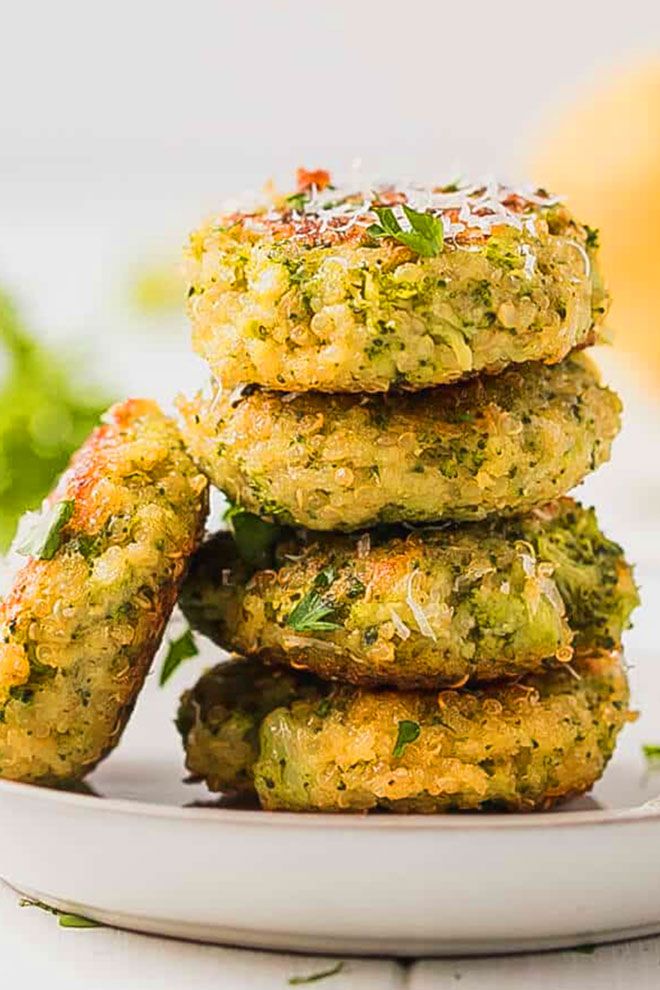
(183, 648)
(426, 236)
(65, 919)
(298, 981)
(408, 733)
(45, 414)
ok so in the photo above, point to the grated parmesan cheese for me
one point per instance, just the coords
(402, 629)
(421, 618)
(471, 209)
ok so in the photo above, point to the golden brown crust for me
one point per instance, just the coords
(421, 608)
(494, 445)
(303, 295)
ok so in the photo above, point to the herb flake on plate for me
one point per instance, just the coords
(65, 918)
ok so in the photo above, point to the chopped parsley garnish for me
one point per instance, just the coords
(254, 538)
(356, 588)
(65, 919)
(76, 921)
(323, 707)
(179, 650)
(309, 615)
(297, 201)
(592, 236)
(44, 537)
(651, 753)
(325, 577)
(408, 733)
(426, 236)
(298, 981)
(88, 546)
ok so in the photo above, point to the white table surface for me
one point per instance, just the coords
(37, 953)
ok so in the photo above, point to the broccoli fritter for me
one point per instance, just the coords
(85, 613)
(306, 745)
(422, 608)
(219, 718)
(340, 290)
(498, 444)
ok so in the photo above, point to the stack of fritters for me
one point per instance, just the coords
(399, 407)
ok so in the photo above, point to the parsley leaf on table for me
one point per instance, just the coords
(65, 918)
(297, 981)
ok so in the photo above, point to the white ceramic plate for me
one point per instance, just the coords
(151, 853)
(391, 885)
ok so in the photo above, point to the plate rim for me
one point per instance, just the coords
(648, 812)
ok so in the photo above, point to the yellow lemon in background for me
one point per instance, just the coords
(603, 155)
